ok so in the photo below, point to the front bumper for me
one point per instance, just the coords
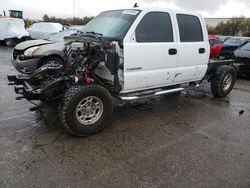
(244, 68)
(23, 88)
(27, 66)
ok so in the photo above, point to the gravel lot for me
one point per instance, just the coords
(186, 140)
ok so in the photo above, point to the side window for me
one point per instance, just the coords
(211, 42)
(155, 27)
(190, 28)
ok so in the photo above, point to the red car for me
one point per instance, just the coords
(215, 46)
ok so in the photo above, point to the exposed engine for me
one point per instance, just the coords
(88, 60)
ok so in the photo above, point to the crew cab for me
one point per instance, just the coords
(126, 54)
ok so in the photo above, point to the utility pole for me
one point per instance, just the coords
(74, 12)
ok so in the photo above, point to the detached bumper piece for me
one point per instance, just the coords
(23, 88)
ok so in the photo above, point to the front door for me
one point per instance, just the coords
(150, 57)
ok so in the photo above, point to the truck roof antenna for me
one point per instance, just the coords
(136, 5)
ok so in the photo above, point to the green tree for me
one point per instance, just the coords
(67, 21)
(246, 27)
(233, 27)
(46, 18)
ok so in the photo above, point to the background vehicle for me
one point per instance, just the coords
(228, 48)
(242, 58)
(225, 38)
(12, 31)
(13, 14)
(215, 46)
(32, 54)
(126, 54)
(44, 30)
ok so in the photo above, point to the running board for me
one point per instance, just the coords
(158, 93)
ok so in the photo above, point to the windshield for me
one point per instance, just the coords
(60, 36)
(246, 46)
(235, 42)
(112, 24)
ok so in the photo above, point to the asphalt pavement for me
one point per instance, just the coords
(185, 140)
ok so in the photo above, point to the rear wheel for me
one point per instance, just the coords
(10, 42)
(86, 109)
(223, 81)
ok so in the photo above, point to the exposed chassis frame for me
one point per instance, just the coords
(23, 88)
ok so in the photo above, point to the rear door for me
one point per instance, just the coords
(193, 48)
(150, 52)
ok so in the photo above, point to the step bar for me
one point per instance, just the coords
(158, 93)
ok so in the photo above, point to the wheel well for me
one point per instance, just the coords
(40, 63)
(236, 68)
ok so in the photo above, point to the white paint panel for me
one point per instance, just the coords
(139, 80)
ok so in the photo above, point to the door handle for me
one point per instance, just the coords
(172, 51)
(202, 50)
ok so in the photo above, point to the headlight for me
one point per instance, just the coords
(30, 51)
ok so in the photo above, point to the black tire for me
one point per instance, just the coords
(10, 42)
(248, 76)
(69, 115)
(218, 83)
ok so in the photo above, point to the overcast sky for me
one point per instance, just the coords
(64, 8)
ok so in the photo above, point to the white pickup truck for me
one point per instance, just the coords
(127, 54)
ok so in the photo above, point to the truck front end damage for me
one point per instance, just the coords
(88, 61)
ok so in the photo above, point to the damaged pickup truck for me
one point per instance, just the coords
(126, 54)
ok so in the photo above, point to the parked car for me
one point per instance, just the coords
(228, 48)
(12, 31)
(136, 53)
(225, 38)
(30, 55)
(242, 58)
(215, 46)
(44, 30)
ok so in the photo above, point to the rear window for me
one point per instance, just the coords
(211, 42)
(215, 41)
(190, 28)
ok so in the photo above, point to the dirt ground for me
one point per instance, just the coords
(185, 140)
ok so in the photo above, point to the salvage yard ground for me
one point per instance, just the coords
(186, 140)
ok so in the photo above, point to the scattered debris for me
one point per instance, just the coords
(241, 112)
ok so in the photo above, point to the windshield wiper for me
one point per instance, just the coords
(97, 35)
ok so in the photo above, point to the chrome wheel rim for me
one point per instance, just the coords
(89, 110)
(227, 82)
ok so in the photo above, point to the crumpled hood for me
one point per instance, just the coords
(31, 43)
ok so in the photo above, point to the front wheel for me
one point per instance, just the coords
(86, 109)
(10, 42)
(52, 60)
(223, 81)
